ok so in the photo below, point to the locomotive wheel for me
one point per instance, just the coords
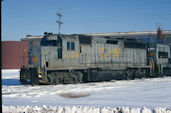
(147, 73)
(72, 80)
(33, 81)
(130, 74)
(137, 74)
(51, 80)
(125, 75)
(143, 73)
(80, 77)
(61, 81)
(54, 79)
(65, 77)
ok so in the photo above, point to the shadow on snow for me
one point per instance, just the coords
(10, 82)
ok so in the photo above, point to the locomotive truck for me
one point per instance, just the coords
(77, 58)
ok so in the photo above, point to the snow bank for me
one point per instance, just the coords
(10, 77)
(10, 73)
(10, 70)
(74, 109)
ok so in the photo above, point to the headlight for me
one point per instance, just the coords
(40, 76)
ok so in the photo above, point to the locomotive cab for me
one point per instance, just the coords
(56, 53)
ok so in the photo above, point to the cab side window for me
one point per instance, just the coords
(70, 45)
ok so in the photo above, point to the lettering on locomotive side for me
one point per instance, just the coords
(34, 59)
(70, 54)
(102, 52)
(73, 54)
(116, 52)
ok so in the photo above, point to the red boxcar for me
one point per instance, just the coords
(14, 54)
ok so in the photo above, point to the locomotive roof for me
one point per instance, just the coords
(63, 36)
(55, 36)
(51, 36)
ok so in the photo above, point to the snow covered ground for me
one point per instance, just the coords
(150, 93)
(74, 109)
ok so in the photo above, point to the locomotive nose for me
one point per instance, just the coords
(29, 76)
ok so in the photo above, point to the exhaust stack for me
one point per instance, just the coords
(159, 32)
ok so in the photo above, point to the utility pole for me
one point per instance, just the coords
(59, 20)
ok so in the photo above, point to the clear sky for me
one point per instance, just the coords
(22, 17)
